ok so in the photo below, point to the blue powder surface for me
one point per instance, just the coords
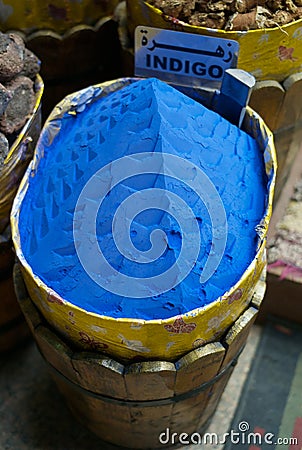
(146, 116)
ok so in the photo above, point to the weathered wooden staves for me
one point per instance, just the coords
(13, 328)
(279, 104)
(133, 405)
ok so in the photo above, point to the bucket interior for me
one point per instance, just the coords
(218, 164)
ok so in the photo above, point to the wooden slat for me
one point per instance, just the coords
(288, 143)
(150, 379)
(124, 425)
(110, 422)
(198, 367)
(291, 110)
(259, 291)
(237, 336)
(193, 370)
(267, 99)
(77, 52)
(213, 399)
(288, 189)
(146, 425)
(100, 374)
(55, 352)
(259, 294)
(187, 413)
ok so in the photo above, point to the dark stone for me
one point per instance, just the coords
(4, 148)
(31, 64)
(5, 97)
(11, 56)
(20, 106)
(4, 42)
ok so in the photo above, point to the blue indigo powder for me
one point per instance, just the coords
(145, 116)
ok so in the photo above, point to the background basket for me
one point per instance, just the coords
(259, 54)
(77, 42)
(59, 15)
(13, 329)
(21, 152)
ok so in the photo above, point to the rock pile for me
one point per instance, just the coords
(18, 69)
(236, 15)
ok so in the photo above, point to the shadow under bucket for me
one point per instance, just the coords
(13, 328)
(141, 405)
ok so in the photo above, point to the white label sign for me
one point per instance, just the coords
(182, 58)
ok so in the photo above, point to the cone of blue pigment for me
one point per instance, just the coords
(140, 226)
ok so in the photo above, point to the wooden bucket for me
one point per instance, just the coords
(164, 339)
(134, 405)
(279, 104)
(13, 328)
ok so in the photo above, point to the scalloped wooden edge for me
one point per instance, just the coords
(133, 404)
(98, 371)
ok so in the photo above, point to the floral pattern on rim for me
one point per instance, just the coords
(235, 296)
(71, 317)
(179, 326)
(54, 298)
(286, 53)
(91, 342)
(215, 325)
